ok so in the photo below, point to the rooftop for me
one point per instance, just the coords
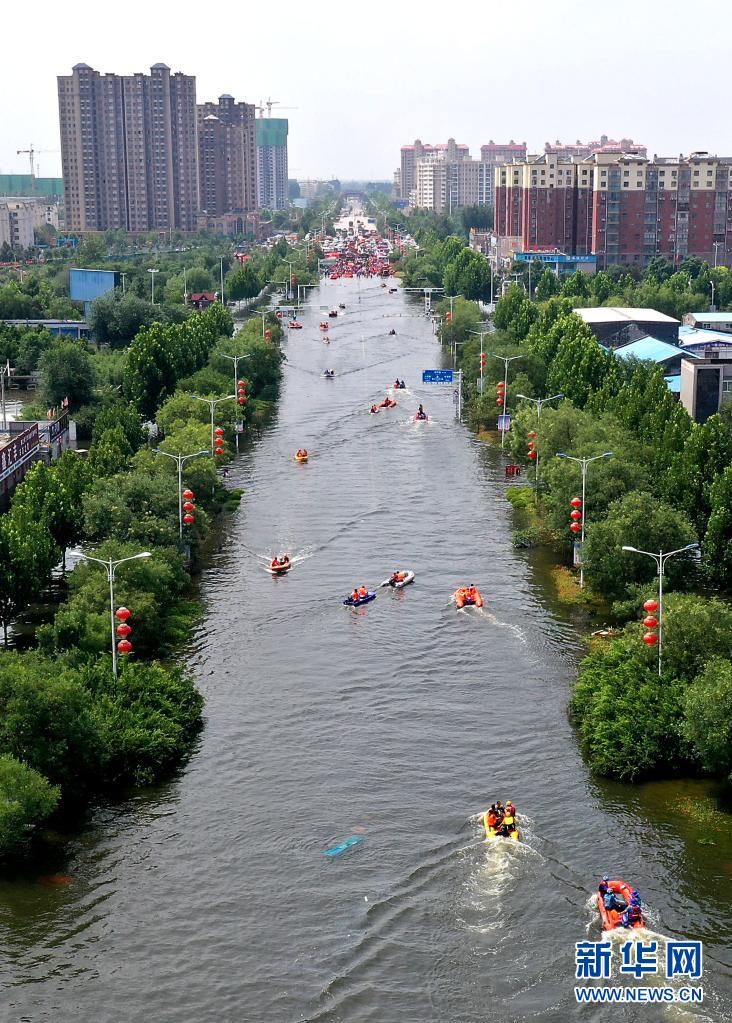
(650, 349)
(623, 314)
(696, 336)
(713, 317)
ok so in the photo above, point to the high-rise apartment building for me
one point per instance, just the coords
(128, 150)
(621, 207)
(492, 155)
(581, 150)
(411, 156)
(227, 156)
(272, 168)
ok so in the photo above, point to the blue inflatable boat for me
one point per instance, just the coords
(350, 602)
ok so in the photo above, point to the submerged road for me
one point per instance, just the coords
(210, 899)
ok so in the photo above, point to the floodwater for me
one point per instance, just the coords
(210, 899)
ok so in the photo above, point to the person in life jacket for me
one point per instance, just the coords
(510, 808)
(471, 593)
(492, 816)
(632, 915)
(397, 385)
(363, 592)
(285, 559)
(275, 562)
(396, 577)
(610, 900)
(355, 595)
(374, 408)
(507, 825)
(603, 887)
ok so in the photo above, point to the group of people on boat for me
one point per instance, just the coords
(399, 385)
(392, 331)
(468, 594)
(631, 911)
(500, 819)
(359, 593)
(329, 373)
(421, 414)
(279, 563)
(397, 577)
(302, 453)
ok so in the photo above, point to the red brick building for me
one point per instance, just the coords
(621, 207)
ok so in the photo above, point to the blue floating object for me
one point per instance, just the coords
(336, 850)
(350, 602)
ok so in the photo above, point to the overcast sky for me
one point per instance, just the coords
(365, 78)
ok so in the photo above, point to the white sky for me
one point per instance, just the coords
(366, 78)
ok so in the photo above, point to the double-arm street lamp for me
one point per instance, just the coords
(152, 271)
(236, 359)
(583, 463)
(540, 403)
(660, 559)
(111, 566)
(505, 359)
(179, 460)
(212, 403)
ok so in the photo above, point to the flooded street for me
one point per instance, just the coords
(210, 899)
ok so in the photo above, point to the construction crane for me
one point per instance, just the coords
(32, 153)
(269, 103)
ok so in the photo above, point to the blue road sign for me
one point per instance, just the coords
(437, 376)
(504, 423)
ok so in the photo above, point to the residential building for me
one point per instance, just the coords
(492, 155)
(710, 321)
(227, 157)
(581, 150)
(31, 184)
(706, 384)
(619, 206)
(615, 326)
(19, 217)
(128, 150)
(272, 167)
(446, 178)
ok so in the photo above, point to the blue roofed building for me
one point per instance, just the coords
(653, 349)
(710, 321)
(699, 341)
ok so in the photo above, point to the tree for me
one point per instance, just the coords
(691, 476)
(67, 371)
(579, 365)
(27, 799)
(467, 274)
(53, 496)
(116, 318)
(547, 286)
(133, 507)
(576, 286)
(640, 520)
(243, 283)
(707, 709)
(27, 555)
(717, 543)
(110, 453)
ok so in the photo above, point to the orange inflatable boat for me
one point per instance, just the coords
(611, 917)
(464, 599)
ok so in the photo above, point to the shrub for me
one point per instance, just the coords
(26, 800)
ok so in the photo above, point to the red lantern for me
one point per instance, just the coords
(188, 495)
(124, 630)
(122, 613)
(650, 622)
(650, 638)
(575, 515)
(219, 452)
(268, 335)
(575, 528)
(189, 519)
(124, 646)
(531, 433)
(242, 401)
(219, 431)
(499, 400)
(650, 605)
(575, 502)
(189, 506)
(531, 445)
(532, 455)
(241, 383)
(500, 386)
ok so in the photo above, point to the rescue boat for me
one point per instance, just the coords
(463, 600)
(407, 578)
(280, 569)
(350, 602)
(301, 458)
(491, 832)
(611, 917)
(387, 403)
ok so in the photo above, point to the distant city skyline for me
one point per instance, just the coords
(379, 83)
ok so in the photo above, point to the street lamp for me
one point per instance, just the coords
(660, 560)
(505, 359)
(289, 286)
(711, 284)
(583, 462)
(221, 265)
(152, 271)
(540, 403)
(111, 566)
(236, 359)
(179, 460)
(212, 403)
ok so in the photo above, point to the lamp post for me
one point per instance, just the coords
(505, 359)
(111, 567)
(221, 265)
(179, 460)
(152, 271)
(236, 359)
(716, 246)
(289, 286)
(212, 403)
(540, 403)
(711, 285)
(583, 462)
(660, 559)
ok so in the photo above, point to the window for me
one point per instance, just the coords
(727, 386)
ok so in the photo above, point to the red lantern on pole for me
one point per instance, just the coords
(650, 605)
(532, 455)
(124, 630)
(500, 386)
(241, 383)
(123, 613)
(576, 516)
(242, 400)
(188, 495)
(124, 646)
(189, 519)
(531, 433)
(650, 638)
(219, 431)
(575, 528)
(650, 622)
(531, 445)
(219, 452)
(499, 400)
(189, 506)
(576, 502)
